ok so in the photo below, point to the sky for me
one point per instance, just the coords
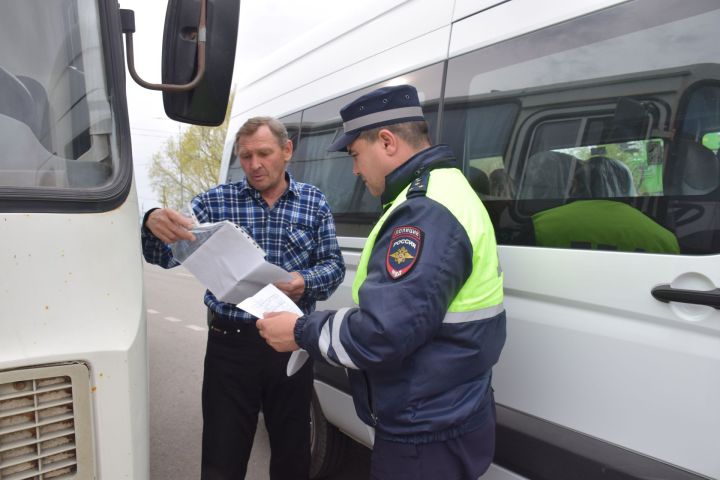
(265, 26)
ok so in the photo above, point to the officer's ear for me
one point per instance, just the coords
(388, 140)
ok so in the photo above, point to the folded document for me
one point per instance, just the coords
(270, 299)
(227, 261)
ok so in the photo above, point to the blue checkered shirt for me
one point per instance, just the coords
(298, 234)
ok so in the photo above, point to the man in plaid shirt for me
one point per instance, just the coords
(292, 223)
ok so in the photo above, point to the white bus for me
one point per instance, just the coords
(73, 351)
(591, 130)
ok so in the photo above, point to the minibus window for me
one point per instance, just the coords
(56, 126)
(604, 133)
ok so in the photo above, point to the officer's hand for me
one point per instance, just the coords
(169, 225)
(278, 330)
(294, 288)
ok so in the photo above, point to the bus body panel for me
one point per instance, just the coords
(71, 289)
(95, 311)
(511, 19)
(358, 42)
(585, 339)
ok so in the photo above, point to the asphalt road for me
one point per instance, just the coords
(177, 334)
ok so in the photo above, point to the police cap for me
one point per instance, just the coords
(381, 107)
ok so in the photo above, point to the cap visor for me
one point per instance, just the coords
(340, 145)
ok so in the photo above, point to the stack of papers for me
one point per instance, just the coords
(233, 267)
(227, 261)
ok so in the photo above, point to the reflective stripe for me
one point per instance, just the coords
(337, 345)
(473, 315)
(384, 116)
(324, 343)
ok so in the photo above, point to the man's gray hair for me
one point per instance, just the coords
(252, 125)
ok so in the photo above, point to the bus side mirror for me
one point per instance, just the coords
(205, 104)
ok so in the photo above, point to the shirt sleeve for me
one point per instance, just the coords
(157, 252)
(397, 314)
(328, 268)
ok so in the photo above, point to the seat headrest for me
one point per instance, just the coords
(501, 184)
(16, 101)
(698, 169)
(478, 180)
(609, 178)
(548, 175)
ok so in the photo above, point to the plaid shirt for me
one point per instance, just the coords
(298, 234)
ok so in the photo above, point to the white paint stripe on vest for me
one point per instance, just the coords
(474, 315)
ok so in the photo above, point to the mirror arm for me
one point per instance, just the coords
(128, 24)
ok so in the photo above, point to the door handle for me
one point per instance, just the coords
(665, 293)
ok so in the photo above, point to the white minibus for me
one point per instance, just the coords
(590, 129)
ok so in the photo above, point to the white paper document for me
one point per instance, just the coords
(228, 262)
(271, 299)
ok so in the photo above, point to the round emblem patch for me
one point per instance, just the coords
(404, 250)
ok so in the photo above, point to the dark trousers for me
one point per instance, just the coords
(242, 376)
(463, 458)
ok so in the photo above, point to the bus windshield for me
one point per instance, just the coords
(55, 117)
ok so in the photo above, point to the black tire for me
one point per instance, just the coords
(327, 444)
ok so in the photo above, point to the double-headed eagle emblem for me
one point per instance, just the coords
(401, 255)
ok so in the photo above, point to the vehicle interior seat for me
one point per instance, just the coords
(478, 180)
(41, 112)
(501, 185)
(16, 100)
(548, 175)
(24, 161)
(696, 172)
(608, 178)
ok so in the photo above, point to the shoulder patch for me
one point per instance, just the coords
(404, 250)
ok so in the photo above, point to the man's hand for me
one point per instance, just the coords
(294, 288)
(169, 225)
(278, 330)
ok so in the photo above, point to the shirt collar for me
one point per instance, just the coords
(432, 157)
(249, 190)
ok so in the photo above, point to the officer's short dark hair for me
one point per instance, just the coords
(414, 133)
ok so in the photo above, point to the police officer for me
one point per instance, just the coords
(430, 322)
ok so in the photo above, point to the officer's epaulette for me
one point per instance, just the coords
(419, 186)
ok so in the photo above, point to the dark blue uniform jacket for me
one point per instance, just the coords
(414, 378)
